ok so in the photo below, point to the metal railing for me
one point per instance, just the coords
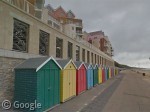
(31, 9)
(78, 24)
(23, 5)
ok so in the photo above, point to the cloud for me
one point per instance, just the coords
(126, 22)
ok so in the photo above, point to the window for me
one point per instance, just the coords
(56, 26)
(72, 28)
(92, 57)
(59, 47)
(20, 36)
(95, 59)
(77, 53)
(98, 59)
(83, 55)
(43, 43)
(88, 56)
(70, 50)
(50, 22)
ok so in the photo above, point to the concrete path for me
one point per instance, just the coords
(132, 95)
(79, 102)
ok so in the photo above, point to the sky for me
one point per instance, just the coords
(125, 22)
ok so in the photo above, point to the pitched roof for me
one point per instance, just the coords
(78, 64)
(49, 7)
(95, 65)
(63, 63)
(88, 65)
(35, 63)
(58, 12)
(70, 12)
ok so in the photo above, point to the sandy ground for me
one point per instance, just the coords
(147, 74)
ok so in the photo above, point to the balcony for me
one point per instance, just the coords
(79, 25)
(79, 33)
(106, 45)
(54, 23)
(24, 5)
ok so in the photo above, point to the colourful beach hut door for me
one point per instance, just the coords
(80, 77)
(50, 83)
(89, 77)
(68, 83)
(105, 74)
(100, 80)
(48, 87)
(95, 76)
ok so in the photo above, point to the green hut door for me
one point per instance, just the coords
(51, 96)
(47, 89)
(54, 87)
(52, 84)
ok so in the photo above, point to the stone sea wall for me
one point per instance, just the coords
(7, 77)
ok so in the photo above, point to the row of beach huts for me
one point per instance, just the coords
(50, 81)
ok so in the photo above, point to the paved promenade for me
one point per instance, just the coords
(132, 95)
(127, 92)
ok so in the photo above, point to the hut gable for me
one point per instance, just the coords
(95, 66)
(36, 63)
(79, 64)
(88, 65)
(65, 63)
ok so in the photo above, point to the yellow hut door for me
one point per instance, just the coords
(69, 82)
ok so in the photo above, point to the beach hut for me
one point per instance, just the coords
(89, 75)
(114, 71)
(38, 79)
(95, 75)
(80, 77)
(110, 72)
(107, 73)
(67, 79)
(100, 72)
(103, 74)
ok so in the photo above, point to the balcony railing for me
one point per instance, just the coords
(79, 32)
(79, 24)
(29, 8)
(54, 23)
(23, 5)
